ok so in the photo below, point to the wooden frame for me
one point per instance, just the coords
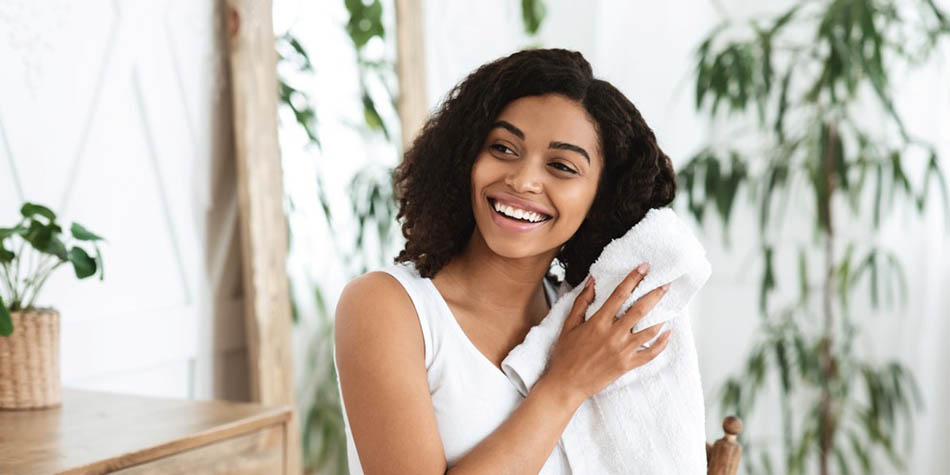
(253, 67)
(411, 104)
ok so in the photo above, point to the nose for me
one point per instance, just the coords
(523, 178)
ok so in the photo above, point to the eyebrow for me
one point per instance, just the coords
(553, 145)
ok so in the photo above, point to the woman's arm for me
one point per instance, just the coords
(526, 439)
(381, 363)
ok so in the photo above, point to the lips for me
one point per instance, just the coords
(511, 224)
(516, 202)
(493, 204)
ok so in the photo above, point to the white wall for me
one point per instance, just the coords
(116, 114)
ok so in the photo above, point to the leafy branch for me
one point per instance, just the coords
(808, 147)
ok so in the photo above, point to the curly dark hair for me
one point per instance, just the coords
(432, 184)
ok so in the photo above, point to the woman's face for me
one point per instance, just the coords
(540, 164)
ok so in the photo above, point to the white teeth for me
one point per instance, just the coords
(518, 213)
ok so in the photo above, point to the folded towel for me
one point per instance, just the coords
(650, 420)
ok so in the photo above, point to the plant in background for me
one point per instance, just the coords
(799, 85)
(322, 433)
(40, 249)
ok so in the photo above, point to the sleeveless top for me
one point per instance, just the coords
(470, 395)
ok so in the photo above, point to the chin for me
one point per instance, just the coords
(512, 250)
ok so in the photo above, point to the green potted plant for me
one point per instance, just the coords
(29, 335)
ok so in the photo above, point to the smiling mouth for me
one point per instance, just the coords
(544, 217)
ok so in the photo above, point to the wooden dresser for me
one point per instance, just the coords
(97, 432)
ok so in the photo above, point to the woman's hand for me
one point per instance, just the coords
(589, 355)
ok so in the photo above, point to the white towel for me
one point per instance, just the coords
(650, 420)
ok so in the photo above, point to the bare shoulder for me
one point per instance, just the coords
(381, 361)
(375, 312)
(376, 303)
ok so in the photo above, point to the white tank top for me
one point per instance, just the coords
(471, 396)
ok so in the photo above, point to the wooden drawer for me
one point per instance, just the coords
(95, 433)
(261, 451)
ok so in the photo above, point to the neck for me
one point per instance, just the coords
(506, 286)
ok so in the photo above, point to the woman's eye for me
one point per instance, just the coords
(563, 167)
(501, 148)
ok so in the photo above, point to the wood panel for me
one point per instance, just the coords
(410, 68)
(253, 62)
(261, 451)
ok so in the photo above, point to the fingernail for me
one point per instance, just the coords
(665, 286)
(590, 280)
(643, 268)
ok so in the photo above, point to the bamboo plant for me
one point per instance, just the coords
(38, 247)
(794, 91)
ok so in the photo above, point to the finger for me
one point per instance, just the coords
(644, 356)
(581, 302)
(639, 338)
(642, 306)
(622, 291)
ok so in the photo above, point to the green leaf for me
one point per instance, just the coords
(878, 194)
(782, 106)
(768, 279)
(897, 273)
(304, 57)
(83, 234)
(6, 321)
(840, 160)
(371, 115)
(365, 21)
(784, 19)
(5, 254)
(781, 357)
(84, 265)
(7, 232)
(843, 466)
(803, 290)
(899, 177)
(858, 448)
(39, 235)
(56, 248)
(844, 275)
(933, 168)
(820, 177)
(711, 172)
(102, 272)
(532, 15)
(872, 262)
(28, 210)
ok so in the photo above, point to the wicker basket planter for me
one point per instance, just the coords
(29, 362)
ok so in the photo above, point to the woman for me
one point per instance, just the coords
(529, 162)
